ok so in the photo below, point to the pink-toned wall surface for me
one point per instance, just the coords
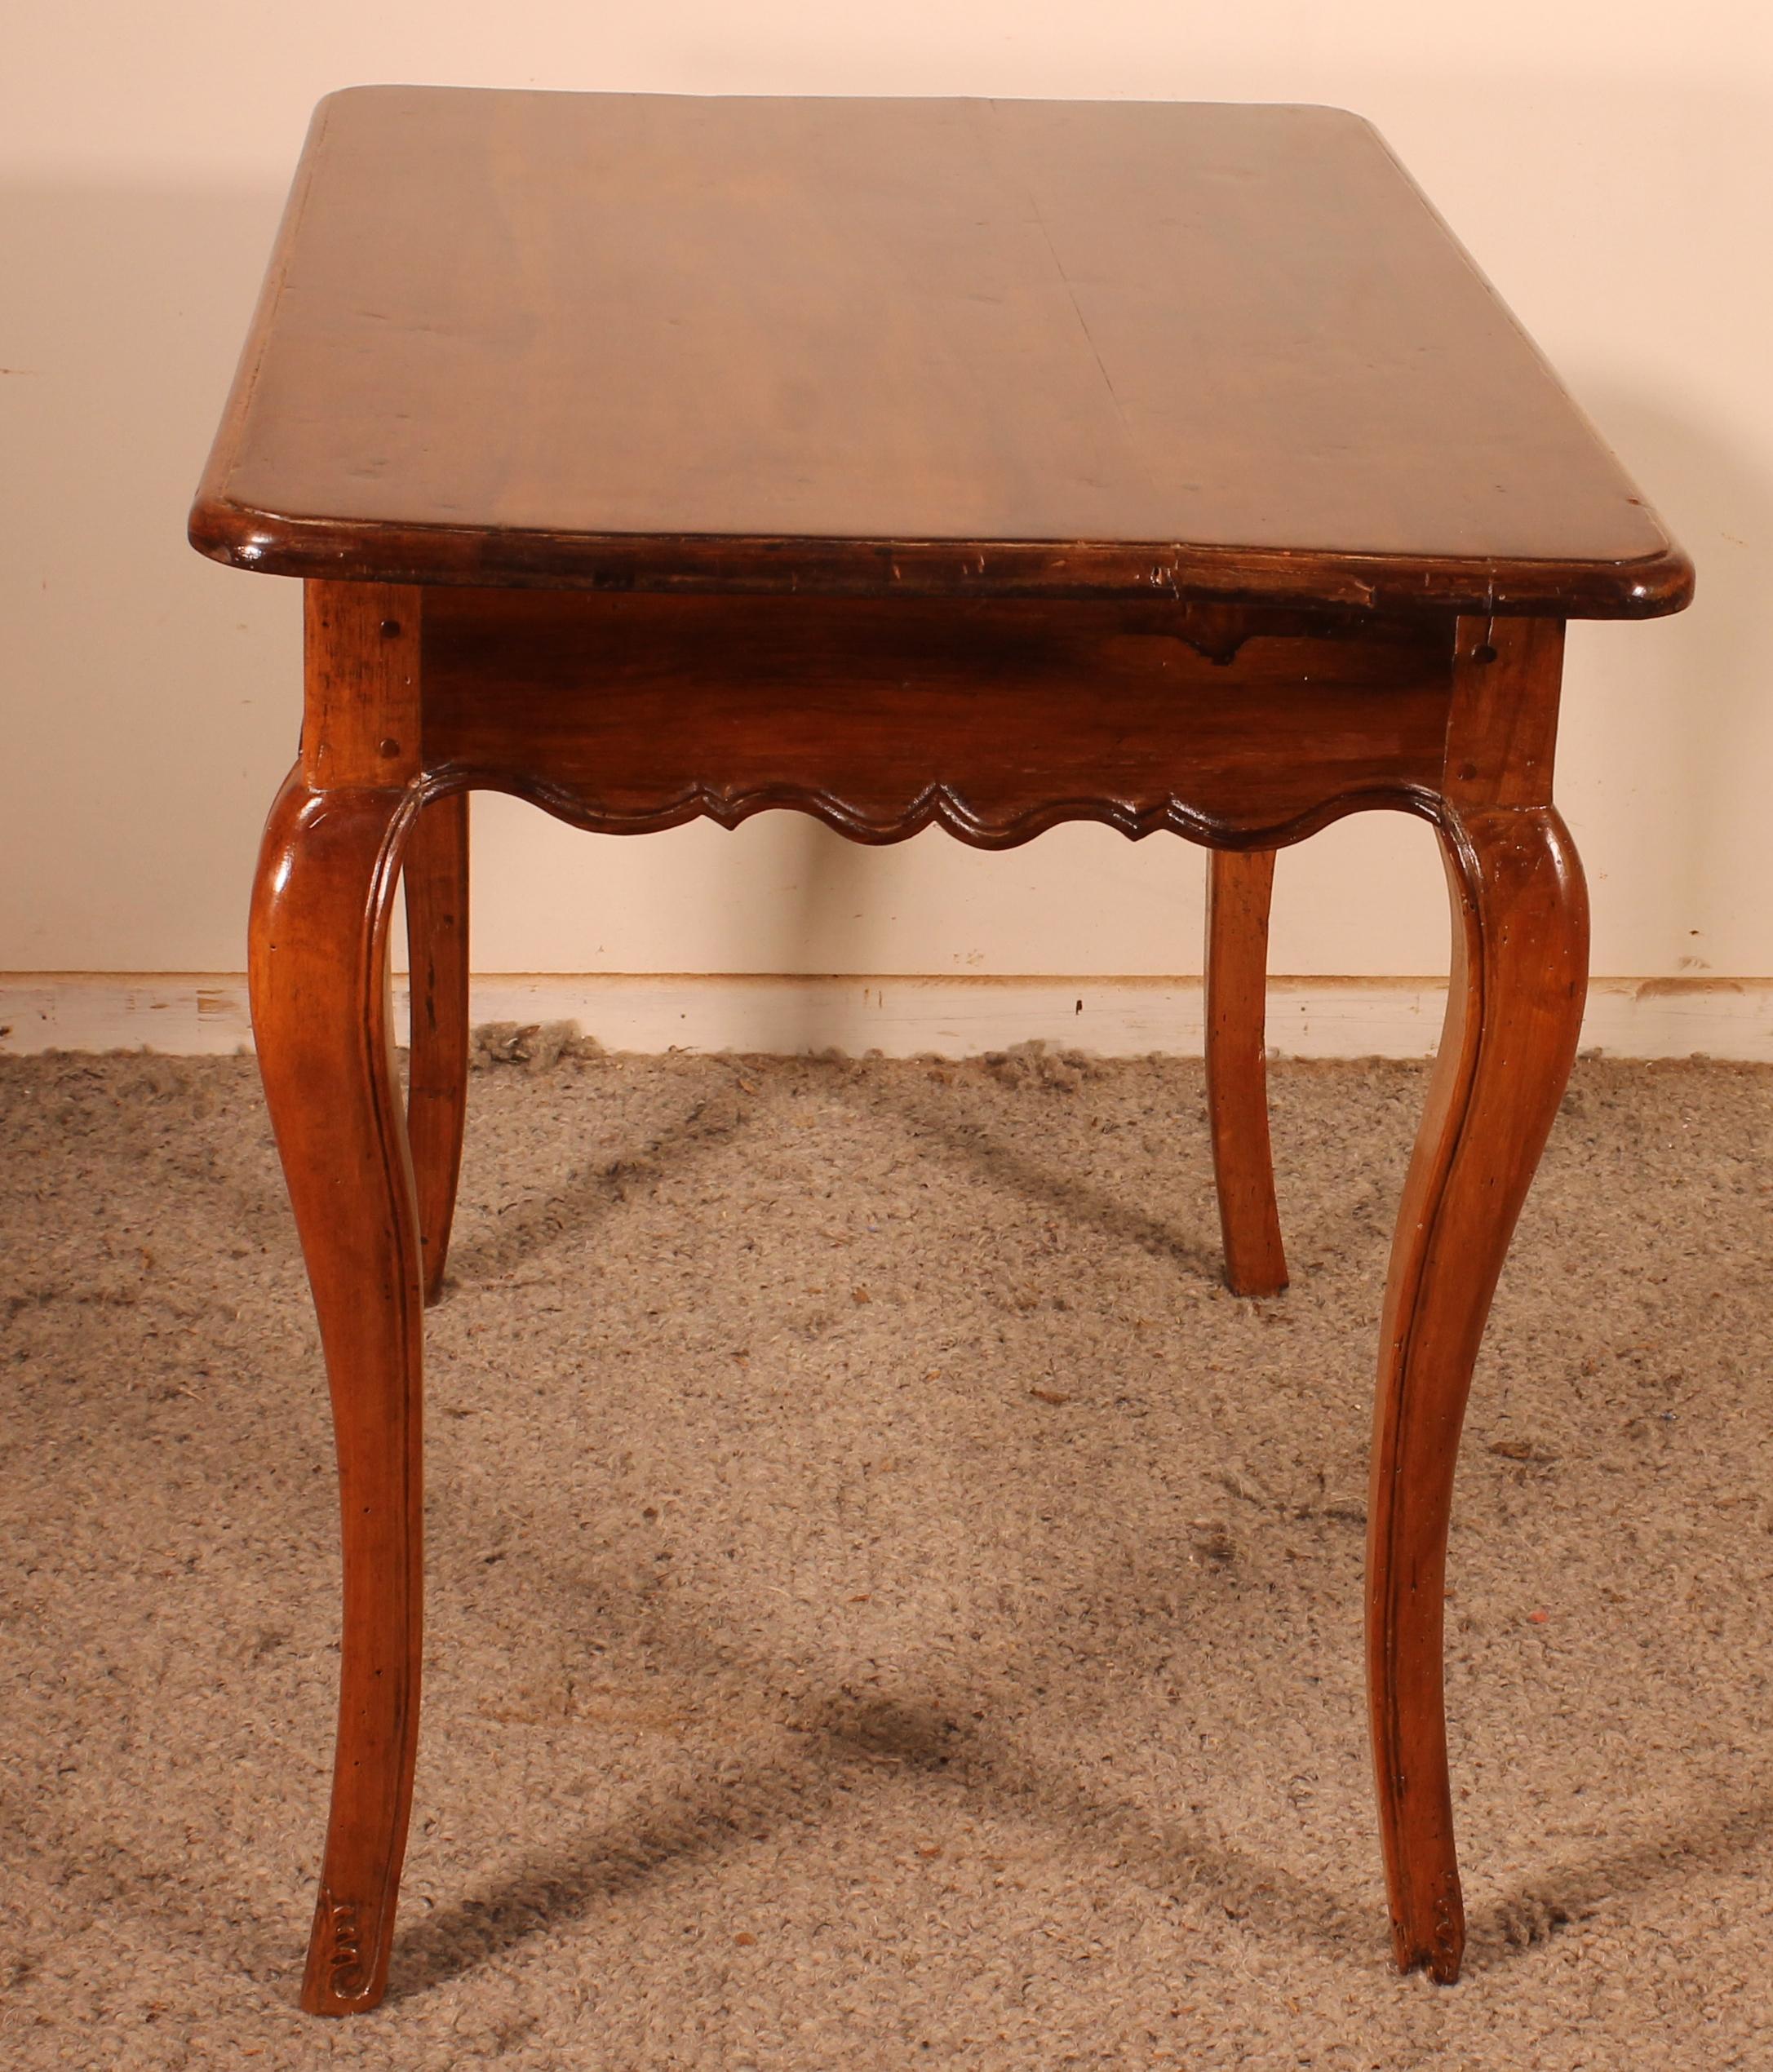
(1609, 164)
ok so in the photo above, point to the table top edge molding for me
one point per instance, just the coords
(282, 543)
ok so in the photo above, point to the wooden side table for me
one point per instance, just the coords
(985, 463)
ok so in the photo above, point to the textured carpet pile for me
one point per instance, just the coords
(889, 1605)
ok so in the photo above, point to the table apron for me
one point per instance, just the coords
(629, 713)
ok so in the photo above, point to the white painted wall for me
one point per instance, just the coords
(1610, 164)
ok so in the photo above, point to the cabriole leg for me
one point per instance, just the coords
(1513, 1014)
(320, 1009)
(318, 968)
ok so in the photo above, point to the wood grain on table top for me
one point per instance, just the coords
(1017, 348)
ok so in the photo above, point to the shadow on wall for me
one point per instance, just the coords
(151, 699)
(1665, 739)
(1697, 685)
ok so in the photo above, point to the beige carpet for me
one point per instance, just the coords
(889, 1605)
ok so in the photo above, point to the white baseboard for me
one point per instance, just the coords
(197, 1014)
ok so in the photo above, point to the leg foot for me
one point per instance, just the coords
(319, 980)
(1238, 884)
(436, 876)
(1513, 1014)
